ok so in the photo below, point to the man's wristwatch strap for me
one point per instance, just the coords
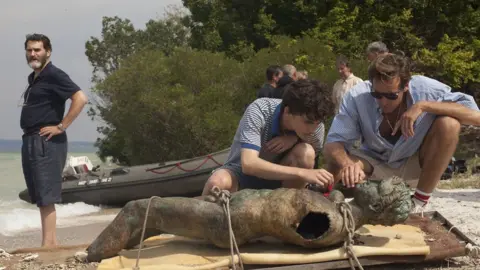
(60, 126)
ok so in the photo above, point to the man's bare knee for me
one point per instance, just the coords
(443, 133)
(302, 156)
(446, 126)
(222, 179)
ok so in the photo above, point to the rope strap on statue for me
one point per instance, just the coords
(349, 224)
(224, 197)
(143, 233)
(221, 195)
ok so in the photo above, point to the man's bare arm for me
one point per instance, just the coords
(335, 152)
(463, 114)
(252, 164)
(79, 99)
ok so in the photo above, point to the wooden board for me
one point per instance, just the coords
(443, 244)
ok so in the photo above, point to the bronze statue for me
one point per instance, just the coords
(301, 217)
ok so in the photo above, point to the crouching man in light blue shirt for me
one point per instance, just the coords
(409, 126)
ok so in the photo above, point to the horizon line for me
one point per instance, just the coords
(69, 141)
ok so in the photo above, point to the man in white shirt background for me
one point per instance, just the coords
(347, 80)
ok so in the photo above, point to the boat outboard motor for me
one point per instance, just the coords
(94, 169)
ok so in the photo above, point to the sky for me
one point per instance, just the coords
(68, 24)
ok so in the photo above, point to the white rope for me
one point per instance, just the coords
(472, 251)
(224, 197)
(349, 224)
(136, 267)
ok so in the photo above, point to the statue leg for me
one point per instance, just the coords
(181, 216)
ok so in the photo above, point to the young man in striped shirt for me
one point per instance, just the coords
(277, 141)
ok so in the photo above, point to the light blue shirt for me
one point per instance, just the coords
(360, 117)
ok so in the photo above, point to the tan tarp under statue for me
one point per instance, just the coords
(299, 217)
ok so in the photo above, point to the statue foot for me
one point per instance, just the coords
(124, 232)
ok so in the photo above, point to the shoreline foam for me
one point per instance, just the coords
(17, 217)
(76, 235)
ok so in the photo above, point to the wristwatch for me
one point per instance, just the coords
(60, 126)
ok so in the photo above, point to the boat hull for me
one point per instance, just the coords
(184, 178)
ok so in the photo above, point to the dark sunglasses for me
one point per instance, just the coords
(390, 96)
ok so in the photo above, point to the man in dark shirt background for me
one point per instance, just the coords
(273, 73)
(44, 147)
(289, 76)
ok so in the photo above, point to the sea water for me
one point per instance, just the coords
(17, 216)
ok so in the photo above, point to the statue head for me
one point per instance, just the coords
(385, 202)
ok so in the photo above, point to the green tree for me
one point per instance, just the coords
(119, 40)
(166, 34)
(169, 115)
(162, 100)
(418, 28)
(189, 103)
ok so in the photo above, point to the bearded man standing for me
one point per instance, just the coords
(44, 147)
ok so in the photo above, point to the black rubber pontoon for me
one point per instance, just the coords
(118, 186)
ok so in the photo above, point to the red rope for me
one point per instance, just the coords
(179, 165)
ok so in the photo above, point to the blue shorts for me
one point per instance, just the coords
(251, 182)
(42, 164)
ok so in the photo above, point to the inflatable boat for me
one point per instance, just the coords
(117, 186)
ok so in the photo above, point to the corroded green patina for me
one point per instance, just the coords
(301, 217)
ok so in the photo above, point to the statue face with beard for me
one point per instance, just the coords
(36, 55)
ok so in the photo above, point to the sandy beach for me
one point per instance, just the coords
(74, 238)
(460, 207)
(70, 239)
(77, 235)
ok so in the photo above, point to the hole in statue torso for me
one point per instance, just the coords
(313, 225)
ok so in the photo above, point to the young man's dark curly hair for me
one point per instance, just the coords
(308, 97)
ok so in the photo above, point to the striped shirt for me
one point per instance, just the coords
(261, 123)
(360, 117)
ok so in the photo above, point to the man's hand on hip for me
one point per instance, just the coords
(50, 131)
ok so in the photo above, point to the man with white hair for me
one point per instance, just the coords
(375, 49)
(289, 76)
